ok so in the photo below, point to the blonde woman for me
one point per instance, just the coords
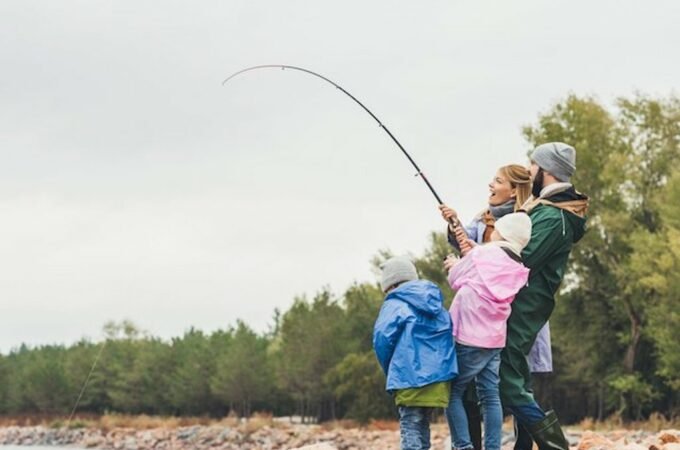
(508, 191)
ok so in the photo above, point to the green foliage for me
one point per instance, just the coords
(634, 393)
(4, 383)
(359, 382)
(431, 265)
(77, 365)
(664, 315)
(36, 380)
(188, 384)
(362, 303)
(615, 328)
(619, 282)
(242, 371)
(312, 341)
(141, 385)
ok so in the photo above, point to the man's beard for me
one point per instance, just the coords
(537, 185)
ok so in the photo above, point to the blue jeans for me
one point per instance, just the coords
(414, 423)
(481, 365)
(528, 414)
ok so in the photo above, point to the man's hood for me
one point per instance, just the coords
(575, 205)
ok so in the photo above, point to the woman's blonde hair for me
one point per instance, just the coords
(520, 179)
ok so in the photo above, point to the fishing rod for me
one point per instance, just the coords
(389, 133)
(419, 173)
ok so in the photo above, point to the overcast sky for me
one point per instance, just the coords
(133, 185)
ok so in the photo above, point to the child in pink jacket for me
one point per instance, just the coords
(486, 281)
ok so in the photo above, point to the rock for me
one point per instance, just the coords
(320, 446)
(591, 440)
(617, 435)
(668, 436)
(301, 437)
(572, 438)
(93, 441)
(671, 446)
(620, 443)
(632, 446)
(187, 433)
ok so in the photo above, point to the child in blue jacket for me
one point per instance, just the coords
(413, 341)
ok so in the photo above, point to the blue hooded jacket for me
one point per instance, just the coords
(413, 337)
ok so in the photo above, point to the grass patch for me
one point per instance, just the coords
(383, 425)
(145, 422)
(655, 423)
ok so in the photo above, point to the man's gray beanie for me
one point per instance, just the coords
(557, 158)
(397, 270)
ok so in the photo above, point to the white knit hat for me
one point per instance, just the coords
(515, 229)
(397, 270)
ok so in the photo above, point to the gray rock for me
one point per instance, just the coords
(187, 433)
(319, 446)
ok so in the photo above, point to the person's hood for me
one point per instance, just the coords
(422, 295)
(571, 200)
(499, 275)
(573, 206)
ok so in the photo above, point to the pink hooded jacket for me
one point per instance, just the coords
(486, 281)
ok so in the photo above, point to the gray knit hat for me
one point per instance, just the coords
(557, 158)
(396, 270)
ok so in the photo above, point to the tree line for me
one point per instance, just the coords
(615, 329)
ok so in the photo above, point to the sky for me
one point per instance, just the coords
(133, 185)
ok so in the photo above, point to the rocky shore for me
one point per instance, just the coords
(291, 436)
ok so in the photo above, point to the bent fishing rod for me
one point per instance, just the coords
(389, 133)
(419, 172)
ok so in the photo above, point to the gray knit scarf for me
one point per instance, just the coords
(506, 208)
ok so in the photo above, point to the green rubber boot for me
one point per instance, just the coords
(548, 433)
(523, 439)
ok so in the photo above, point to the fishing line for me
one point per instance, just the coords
(87, 380)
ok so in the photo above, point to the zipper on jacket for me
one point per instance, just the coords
(564, 230)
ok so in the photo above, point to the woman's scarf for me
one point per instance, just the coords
(494, 213)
